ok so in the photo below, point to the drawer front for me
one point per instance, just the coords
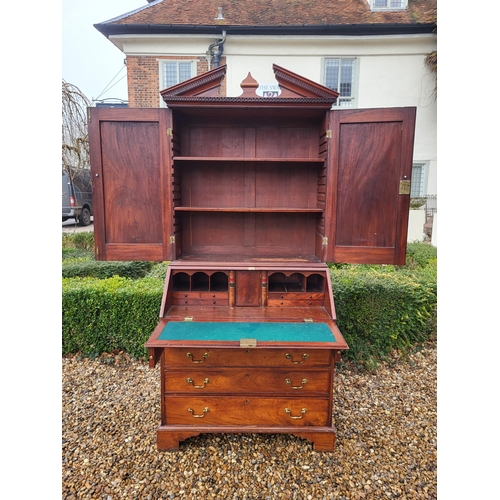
(300, 302)
(285, 358)
(297, 296)
(238, 381)
(200, 298)
(213, 410)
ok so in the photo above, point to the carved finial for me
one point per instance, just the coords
(249, 86)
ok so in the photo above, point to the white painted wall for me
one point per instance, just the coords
(434, 237)
(391, 70)
(416, 223)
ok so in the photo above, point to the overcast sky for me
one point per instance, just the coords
(89, 60)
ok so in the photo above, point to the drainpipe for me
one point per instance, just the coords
(216, 57)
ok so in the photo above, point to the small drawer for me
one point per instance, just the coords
(200, 298)
(291, 299)
(294, 302)
(199, 357)
(237, 381)
(279, 412)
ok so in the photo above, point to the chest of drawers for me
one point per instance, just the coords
(256, 389)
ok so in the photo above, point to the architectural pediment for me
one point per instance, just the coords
(205, 88)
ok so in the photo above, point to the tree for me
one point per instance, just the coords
(75, 139)
(432, 63)
(432, 59)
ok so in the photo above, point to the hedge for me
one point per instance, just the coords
(101, 315)
(379, 309)
(72, 268)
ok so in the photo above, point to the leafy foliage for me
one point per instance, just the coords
(78, 260)
(382, 310)
(100, 315)
(83, 240)
(82, 268)
(420, 255)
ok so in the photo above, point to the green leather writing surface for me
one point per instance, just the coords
(262, 332)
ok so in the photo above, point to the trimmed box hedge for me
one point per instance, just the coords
(379, 311)
(101, 315)
(73, 268)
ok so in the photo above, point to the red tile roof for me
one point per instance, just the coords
(259, 13)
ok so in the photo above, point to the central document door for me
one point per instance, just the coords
(248, 285)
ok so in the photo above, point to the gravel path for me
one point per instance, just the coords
(386, 440)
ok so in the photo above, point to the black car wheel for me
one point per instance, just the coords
(84, 218)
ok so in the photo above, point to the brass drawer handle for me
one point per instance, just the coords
(303, 411)
(205, 410)
(205, 382)
(289, 382)
(190, 356)
(304, 357)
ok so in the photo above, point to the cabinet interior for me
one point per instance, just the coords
(248, 188)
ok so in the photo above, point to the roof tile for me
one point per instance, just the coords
(275, 13)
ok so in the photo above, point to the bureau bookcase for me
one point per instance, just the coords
(249, 198)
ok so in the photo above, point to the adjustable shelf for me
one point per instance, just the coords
(234, 159)
(249, 209)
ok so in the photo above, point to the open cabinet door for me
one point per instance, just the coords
(370, 162)
(130, 156)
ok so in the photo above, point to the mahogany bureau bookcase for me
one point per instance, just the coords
(249, 198)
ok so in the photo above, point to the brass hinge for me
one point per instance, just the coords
(188, 319)
(324, 241)
(169, 131)
(248, 342)
(328, 134)
(308, 320)
(172, 239)
(404, 187)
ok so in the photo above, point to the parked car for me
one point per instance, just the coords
(76, 196)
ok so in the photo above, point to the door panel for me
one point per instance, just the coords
(370, 153)
(130, 167)
(248, 288)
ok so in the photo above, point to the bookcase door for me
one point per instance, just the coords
(370, 163)
(130, 155)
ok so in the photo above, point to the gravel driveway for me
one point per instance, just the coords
(386, 440)
(71, 226)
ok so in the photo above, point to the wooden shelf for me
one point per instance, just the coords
(249, 209)
(210, 159)
(238, 262)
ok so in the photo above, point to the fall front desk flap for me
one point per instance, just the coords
(234, 331)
